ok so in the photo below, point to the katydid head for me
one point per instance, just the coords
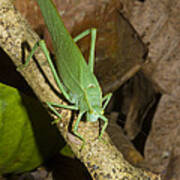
(94, 114)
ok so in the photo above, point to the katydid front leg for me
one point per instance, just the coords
(106, 99)
(75, 129)
(104, 127)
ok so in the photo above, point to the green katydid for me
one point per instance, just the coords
(77, 82)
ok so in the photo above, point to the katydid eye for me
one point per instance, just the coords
(91, 86)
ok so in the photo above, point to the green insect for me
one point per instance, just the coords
(77, 81)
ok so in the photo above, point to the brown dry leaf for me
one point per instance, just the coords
(163, 136)
(141, 98)
(172, 171)
(31, 11)
(159, 22)
(120, 52)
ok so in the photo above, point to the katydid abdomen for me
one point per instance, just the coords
(72, 68)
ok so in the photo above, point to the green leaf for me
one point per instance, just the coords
(67, 151)
(27, 137)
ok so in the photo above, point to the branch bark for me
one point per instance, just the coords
(102, 160)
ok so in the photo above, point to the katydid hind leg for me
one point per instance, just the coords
(106, 99)
(92, 46)
(92, 50)
(42, 44)
(82, 35)
(29, 57)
